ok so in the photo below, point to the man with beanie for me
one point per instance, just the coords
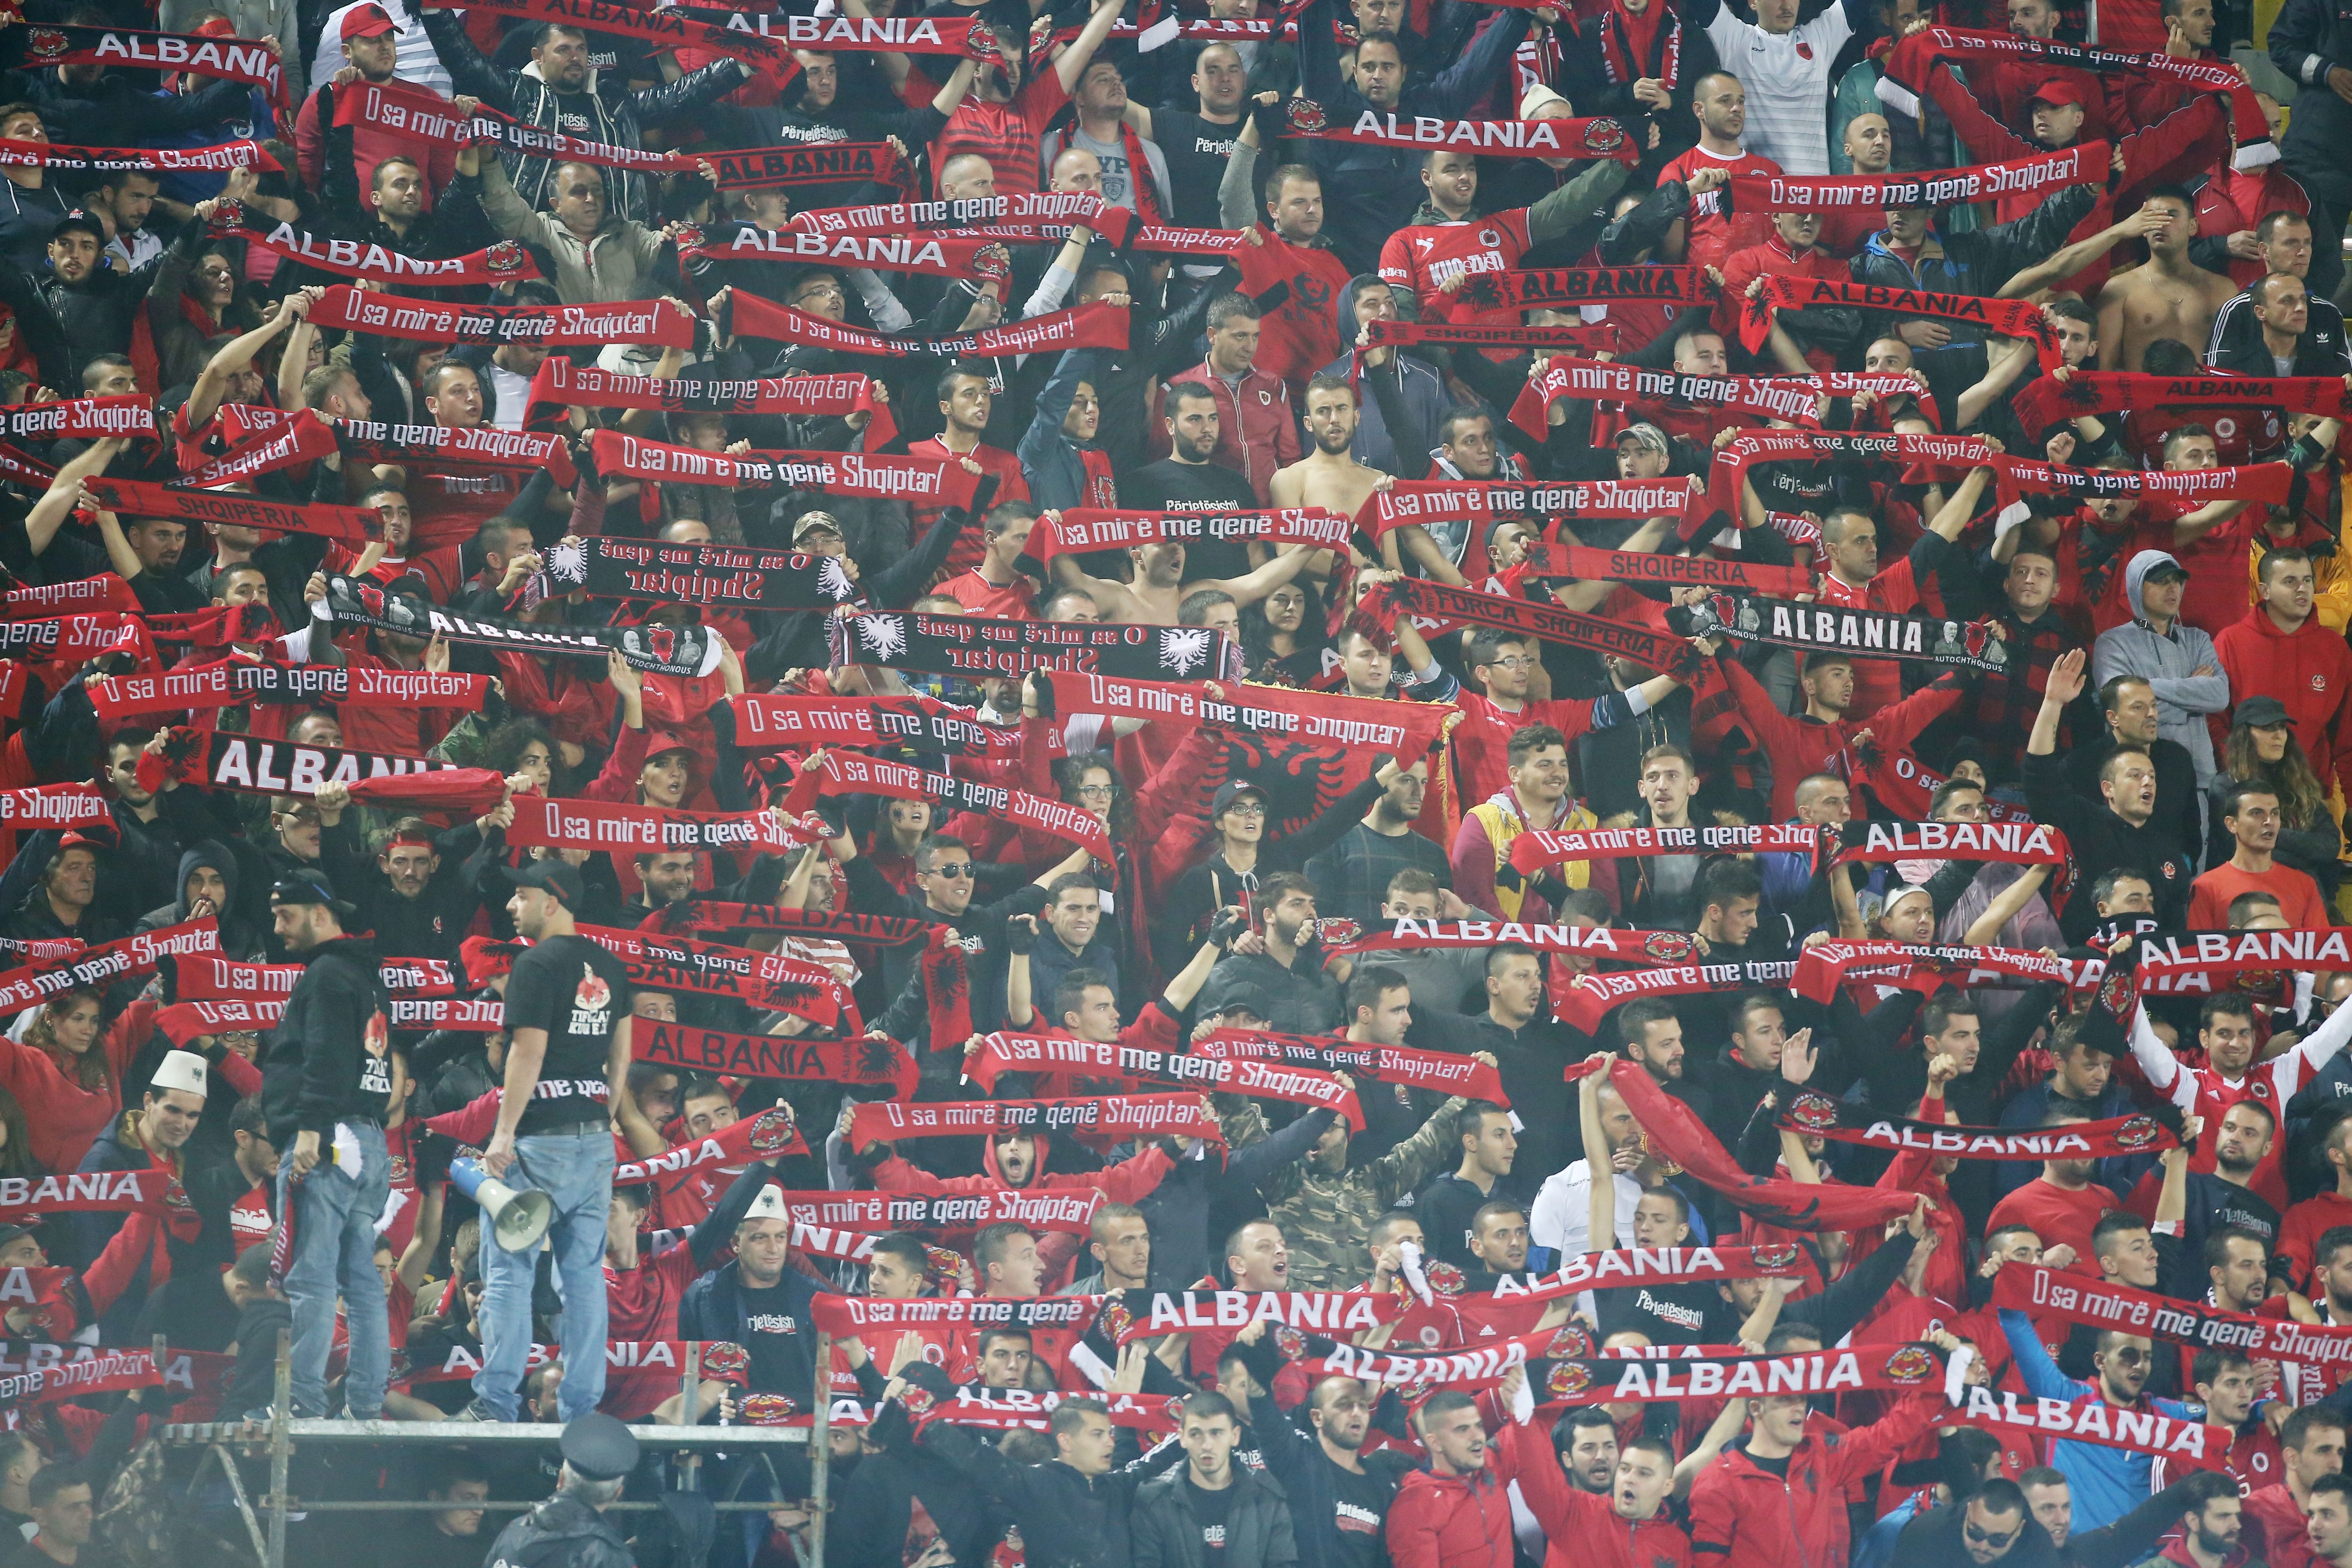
(153, 1137)
(326, 1085)
(567, 1043)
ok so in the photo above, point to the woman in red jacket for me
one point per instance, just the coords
(67, 1082)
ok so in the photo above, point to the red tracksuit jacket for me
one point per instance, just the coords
(1748, 1517)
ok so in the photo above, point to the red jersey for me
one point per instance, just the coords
(1484, 735)
(2204, 1091)
(641, 1304)
(970, 546)
(1300, 336)
(2057, 1215)
(1006, 134)
(979, 596)
(1425, 257)
(1877, 682)
(1712, 235)
(400, 1147)
(2300, 1228)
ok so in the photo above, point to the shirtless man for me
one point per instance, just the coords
(1328, 476)
(1159, 589)
(2167, 295)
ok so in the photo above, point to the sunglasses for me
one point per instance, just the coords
(955, 869)
(1989, 1538)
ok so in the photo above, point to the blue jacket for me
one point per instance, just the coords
(2108, 1483)
(1049, 460)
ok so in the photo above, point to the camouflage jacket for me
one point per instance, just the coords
(1325, 1219)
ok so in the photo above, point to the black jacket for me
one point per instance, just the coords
(1257, 1528)
(606, 111)
(2102, 838)
(327, 1056)
(562, 1532)
(1066, 1519)
(2308, 38)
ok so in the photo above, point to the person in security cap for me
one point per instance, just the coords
(326, 1085)
(569, 1530)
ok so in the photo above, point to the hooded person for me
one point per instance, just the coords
(207, 884)
(1421, 392)
(2175, 659)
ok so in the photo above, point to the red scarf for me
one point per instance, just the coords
(1627, 41)
(1142, 194)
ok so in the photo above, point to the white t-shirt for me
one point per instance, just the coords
(1787, 76)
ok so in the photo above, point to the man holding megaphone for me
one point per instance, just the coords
(567, 1043)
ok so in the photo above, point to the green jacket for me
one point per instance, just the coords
(1325, 1218)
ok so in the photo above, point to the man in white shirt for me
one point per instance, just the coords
(1786, 70)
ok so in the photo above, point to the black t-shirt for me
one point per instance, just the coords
(771, 1325)
(575, 991)
(1197, 151)
(1195, 488)
(1212, 1509)
(1669, 1314)
(1360, 1508)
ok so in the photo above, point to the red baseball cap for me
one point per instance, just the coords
(368, 21)
(2058, 90)
(662, 741)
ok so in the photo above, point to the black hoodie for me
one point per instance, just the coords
(327, 1060)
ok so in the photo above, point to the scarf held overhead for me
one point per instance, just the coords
(1450, 607)
(1583, 139)
(1538, 847)
(1579, 562)
(621, 830)
(900, 477)
(714, 577)
(1583, 1000)
(666, 650)
(848, 772)
(435, 321)
(774, 722)
(2056, 1293)
(1095, 326)
(1823, 967)
(1820, 1116)
(1119, 1117)
(1441, 1072)
(1845, 628)
(419, 115)
(506, 261)
(1335, 720)
(780, 1057)
(977, 646)
(2003, 318)
(1789, 398)
(216, 159)
(1552, 288)
(1061, 1059)
(36, 48)
(1088, 528)
(2085, 163)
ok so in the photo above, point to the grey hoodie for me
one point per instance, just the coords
(239, 939)
(2166, 663)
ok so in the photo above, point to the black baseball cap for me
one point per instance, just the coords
(552, 874)
(308, 888)
(82, 221)
(2260, 712)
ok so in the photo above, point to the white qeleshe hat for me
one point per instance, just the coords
(180, 1071)
(769, 1204)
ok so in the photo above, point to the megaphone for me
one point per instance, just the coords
(518, 1219)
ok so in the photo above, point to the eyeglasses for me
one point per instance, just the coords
(1514, 662)
(820, 291)
(954, 868)
(1094, 791)
(1246, 808)
(1988, 1538)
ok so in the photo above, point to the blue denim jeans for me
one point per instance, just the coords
(335, 1210)
(575, 1170)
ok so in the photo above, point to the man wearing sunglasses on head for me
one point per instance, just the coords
(2107, 1483)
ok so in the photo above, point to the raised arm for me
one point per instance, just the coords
(204, 400)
